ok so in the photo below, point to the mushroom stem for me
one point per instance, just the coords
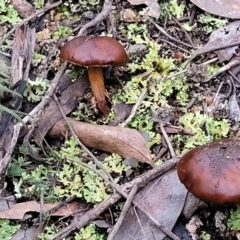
(95, 75)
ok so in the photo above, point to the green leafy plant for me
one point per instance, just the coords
(17, 166)
(211, 22)
(7, 229)
(76, 180)
(35, 90)
(82, 113)
(114, 164)
(39, 3)
(33, 182)
(48, 232)
(76, 72)
(159, 87)
(203, 128)
(205, 236)
(172, 8)
(8, 13)
(61, 32)
(188, 28)
(37, 58)
(89, 233)
(233, 221)
(70, 179)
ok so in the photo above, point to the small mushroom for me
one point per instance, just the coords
(95, 52)
(212, 172)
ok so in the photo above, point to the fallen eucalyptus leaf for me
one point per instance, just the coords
(18, 210)
(163, 199)
(124, 141)
(25, 234)
(224, 8)
(224, 36)
(154, 8)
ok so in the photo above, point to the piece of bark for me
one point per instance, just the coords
(126, 142)
(68, 100)
(22, 53)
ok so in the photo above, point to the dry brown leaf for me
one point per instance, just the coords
(128, 15)
(26, 234)
(219, 40)
(224, 8)
(124, 141)
(43, 35)
(154, 8)
(18, 210)
(163, 199)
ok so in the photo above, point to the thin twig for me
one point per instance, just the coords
(111, 183)
(7, 158)
(140, 223)
(186, 33)
(162, 227)
(218, 91)
(96, 161)
(166, 230)
(124, 212)
(48, 94)
(191, 102)
(167, 140)
(26, 20)
(41, 208)
(224, 69)
(61, 204)
(233, 76)
(177, 46)
(185, 70)
(114, 198)
(107, 6)
(134, 109)
(167, 35)
(16, 130)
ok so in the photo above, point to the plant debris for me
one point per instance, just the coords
(110, 161)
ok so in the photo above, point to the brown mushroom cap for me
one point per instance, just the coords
(94, 51)
(212, 172)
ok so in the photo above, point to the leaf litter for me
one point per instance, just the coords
(162, 200)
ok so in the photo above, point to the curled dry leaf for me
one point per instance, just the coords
(154, 8)
(123, 141)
